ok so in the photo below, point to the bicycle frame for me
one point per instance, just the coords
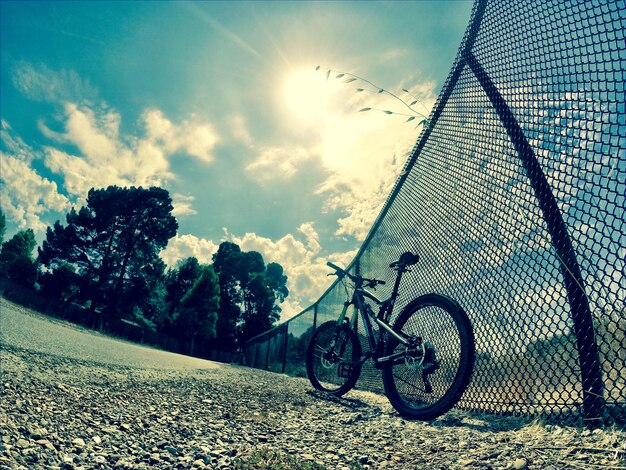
(381, 319)
(432, 333)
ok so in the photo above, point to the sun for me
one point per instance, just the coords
(307, 95)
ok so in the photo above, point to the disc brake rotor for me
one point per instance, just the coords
(326, 363)
(414, 359)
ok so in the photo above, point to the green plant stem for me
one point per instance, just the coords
(382, 90)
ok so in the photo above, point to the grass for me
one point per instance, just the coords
(265, 459)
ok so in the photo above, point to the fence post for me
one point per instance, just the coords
(286, 333)
(591, 375)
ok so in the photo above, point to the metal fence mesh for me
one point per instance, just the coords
(515, 197)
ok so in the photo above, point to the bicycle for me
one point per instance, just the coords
(426, 357)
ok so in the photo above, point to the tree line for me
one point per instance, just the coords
(105, 259)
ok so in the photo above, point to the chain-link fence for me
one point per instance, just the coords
(514, 196)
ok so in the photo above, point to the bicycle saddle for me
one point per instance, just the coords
(406, 259)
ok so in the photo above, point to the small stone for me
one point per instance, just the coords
(39, 433)
(22, 443)
(125, 427)
(161, 444)
(171, 450)
(307, 457)
(198, 463)
(363, 459)
(262, 438)
(78, 442)
(520, 464)
(46, 443)
(466, 462)
(97, 439)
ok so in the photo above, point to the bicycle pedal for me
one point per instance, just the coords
(345, 370)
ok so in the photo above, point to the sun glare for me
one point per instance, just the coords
(306, 94)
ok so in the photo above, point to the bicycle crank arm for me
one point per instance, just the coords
(390, 357)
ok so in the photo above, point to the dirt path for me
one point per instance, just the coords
(60, 411)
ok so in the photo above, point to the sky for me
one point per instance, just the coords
(221, 104)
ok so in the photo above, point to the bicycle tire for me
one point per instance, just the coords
(445, 329)
(340, 374)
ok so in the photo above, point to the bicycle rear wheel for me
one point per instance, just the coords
(332, 358)
(429, 377)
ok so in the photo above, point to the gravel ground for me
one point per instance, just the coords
(69, 413)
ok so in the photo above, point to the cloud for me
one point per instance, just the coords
(304, 265)
(194, 138)
(312, 238)
(182, 205)
(362, 153)
(103, 157)
(184, 246)
(106, 157)
(40, 83)
(26, 196)
(271, 162)
(13, 145)
(299, 255)
(100, 154)
(277, 161)
(240, 131)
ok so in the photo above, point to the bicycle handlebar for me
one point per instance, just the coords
(335, 267)
(343, 272)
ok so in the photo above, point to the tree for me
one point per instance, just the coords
(112, 245)
(179, 280)
(248, 295)
(147, 294)
(176, 283)
(3, 226)
(226, 263)
(259, 314)
(277, 281)
(62, 283)
(16, 259)
(196, 315)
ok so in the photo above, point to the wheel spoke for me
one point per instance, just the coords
(332, 369)
(408, 383)
(442, 330)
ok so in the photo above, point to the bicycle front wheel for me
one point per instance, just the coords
(428, 377)
(332, 359)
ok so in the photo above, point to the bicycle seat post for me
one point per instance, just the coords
(396, 285)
